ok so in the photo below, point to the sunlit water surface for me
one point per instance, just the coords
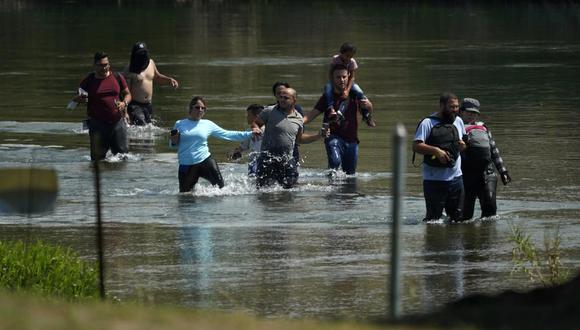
(320, 249)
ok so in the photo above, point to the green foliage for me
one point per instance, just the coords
(46, 269)
(542, 266)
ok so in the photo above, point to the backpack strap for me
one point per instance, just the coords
(419, 124)
(416, 128)
(117, 75)
(118, 79)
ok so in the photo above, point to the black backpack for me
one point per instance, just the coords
(445, 137)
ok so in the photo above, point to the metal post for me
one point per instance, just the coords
(399, 160)
(99, 230)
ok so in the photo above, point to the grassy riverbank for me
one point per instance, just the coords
(21, 311)
(41, 268)
(44, 286)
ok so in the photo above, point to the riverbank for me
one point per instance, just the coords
(541, 308)
(20, 312)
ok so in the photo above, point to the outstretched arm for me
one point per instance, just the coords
(311, 115)
(311, 137)
(163, 79)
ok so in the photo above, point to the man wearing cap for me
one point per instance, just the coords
(478, 160)
(439, 139)
(140, 74)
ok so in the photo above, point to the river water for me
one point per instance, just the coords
(321, 249)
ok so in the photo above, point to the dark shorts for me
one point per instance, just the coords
(107, 136)
(189, 174)
(272, 168)
(446, 195)
(140, 113)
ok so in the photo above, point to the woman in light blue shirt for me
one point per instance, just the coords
(190, 136)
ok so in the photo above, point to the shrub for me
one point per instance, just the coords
(47, 269)
(542, 266)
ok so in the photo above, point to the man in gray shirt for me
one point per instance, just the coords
(284, 126)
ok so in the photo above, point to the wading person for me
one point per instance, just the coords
(346, 58)
(140, 74)
(276, 89)
(190, 136)
(284, 127)
(439, 139)
(108, 97)
(254, 144)
(342, 143)
(477, 163)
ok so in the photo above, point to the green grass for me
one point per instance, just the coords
(542, 266)
(21, 311)
(44, 269)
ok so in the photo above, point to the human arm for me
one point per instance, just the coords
(419, 146)
(126, 99)
(350, 82)
(498, 161)
(220, 133)
(163, 79)
(252, 144)
(367, 104)
(462, 134)
(125, 94)
(462, 145)
(423, 148)
(174, 135)
(306, 138)
(311, 115)
(80, 98)
(83, 95)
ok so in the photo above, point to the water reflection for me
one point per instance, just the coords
(345, 191)
(454, 255)
(277, 201)
(196, 249)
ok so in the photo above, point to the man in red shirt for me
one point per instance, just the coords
(342, 144)
(107, 100)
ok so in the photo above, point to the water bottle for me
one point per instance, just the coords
(72, 105)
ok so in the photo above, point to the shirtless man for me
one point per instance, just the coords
(140, 75)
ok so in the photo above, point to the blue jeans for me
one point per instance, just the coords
(444, 194)
(328, 93)
(341, 154)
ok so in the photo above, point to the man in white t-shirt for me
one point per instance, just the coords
(439, 138)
